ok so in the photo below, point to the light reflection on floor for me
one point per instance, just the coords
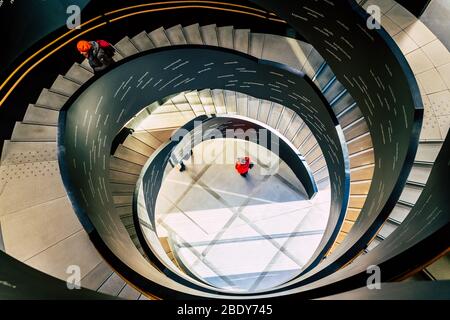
(242, 234)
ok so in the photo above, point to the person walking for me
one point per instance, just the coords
(99, 53)
(243, 165)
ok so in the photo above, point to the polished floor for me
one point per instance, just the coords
(240, 234)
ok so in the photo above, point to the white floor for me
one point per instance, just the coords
(242, 234)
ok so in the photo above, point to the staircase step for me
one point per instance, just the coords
(125, 47)
(352, 214)
(241, 104)
(85, 64)
(142, 42)
(314, 154)
(225, 36)
(230, 102)
(325, 76)
(286, 120)
(129, 293)
(163, 135)
(192, 34)
(313, 63)
(285, 50)
(387, 229)
(175, 35)
(317, 165)
(294, 127)
(130, 155)
(241, 40)
(209, 35)
(360, 187)
(362, 173)
(167, 120)
(219, 101)
(138, 146)
(124, 166)
(14, 153)
(410, 194)
(94, 279)
(122, 177)
(264, 111)
(357, 201)
(41, 116)
(419, 174)
(335, 90)
(78, 74)
(256, 45)
(321, 174)
(428, 152)
(349, 116)
(360, 143)
(356, 129)
(159, 38)
(343, 103)
(123, 200)
(275, 114)
(195, 102)
(51, 100)
(400, 212)
(64, 86)
(253, 107)
(148, 139)
(117, 188)
(113, 285)
(29, 132)
(361, 158)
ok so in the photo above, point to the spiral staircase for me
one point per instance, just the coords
(39, 224)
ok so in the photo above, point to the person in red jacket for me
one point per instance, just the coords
(243, 165)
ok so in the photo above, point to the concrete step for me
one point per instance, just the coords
(95, 279)
(241, 104)
(163, 135)
(125, 47)
(343, 103)
(78, 74)
(192, 34)
(122, 177)
(129, 293)
(159, 38)
(360, 143)
(308, 145)
(209, 35)
(324, 76)
(275, 114)
(285, 50)
(113, 285)
(85, 64)
(124, 211)
(195, 102)
(313, 154)
(362, 158)
(301, 136)
(117, 188)
(253, 107)
(51, 100)
(294, 127)
(420, 173)
(256, 45)
(321, 174)
(64, 86)
(41, 116)
(360, 187)
(352, 214)
(318, 165)
(362, 173)
(285, 121)
(23, 232)
(148, 139)
(175, 35)
(400, 212)
(14, 153)
(387, 228)
(411, 193)
(230, 102)
(428, 151)
(241, 40)
(357, 201)
(124, 166)
(355, 129)
(313, 63)
(207, 101)
(142, 42)
(123, 200)
(225, 37)
(334, 91)
(219, 101)
(138, 146)
(30, 132)
(167, 120)
(264, 110)
(349, 116)
(130, 155)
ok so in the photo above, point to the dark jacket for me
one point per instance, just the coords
(99, 59)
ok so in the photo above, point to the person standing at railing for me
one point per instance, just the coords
(243, 166)
(99, 53)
